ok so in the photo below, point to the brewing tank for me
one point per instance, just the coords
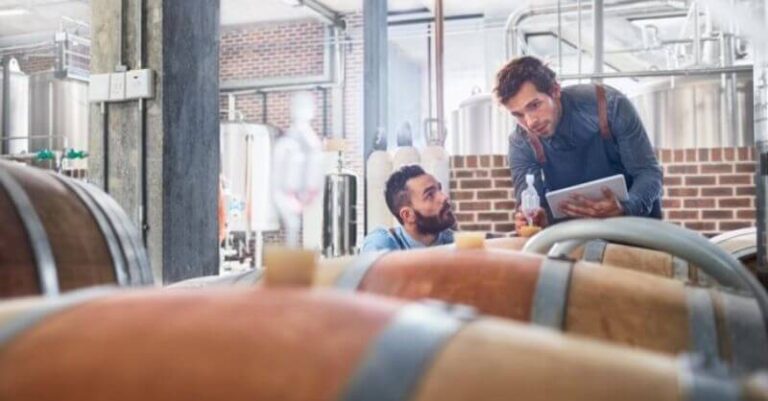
(246, 166)
(58, 115)
(480, 127)
(697, 112)
(340, 213)
(19, 110)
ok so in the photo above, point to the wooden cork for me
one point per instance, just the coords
(469, 240)
(289, 266)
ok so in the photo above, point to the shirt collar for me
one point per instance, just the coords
(445, 237)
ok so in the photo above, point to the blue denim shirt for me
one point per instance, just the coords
(577, 153)
(382, 239)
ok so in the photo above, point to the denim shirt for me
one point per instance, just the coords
(577, 153)
(382, 239)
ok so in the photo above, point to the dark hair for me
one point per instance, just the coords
(521, 70)
(395, 192)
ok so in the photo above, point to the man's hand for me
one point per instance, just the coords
(579, 206)
(539, 219)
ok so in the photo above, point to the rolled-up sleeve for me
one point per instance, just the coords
(638, 158)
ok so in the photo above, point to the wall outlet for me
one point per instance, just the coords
(117, 86)
(139, 84)
(98, 88)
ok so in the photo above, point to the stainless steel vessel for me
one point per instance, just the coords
(340, 213)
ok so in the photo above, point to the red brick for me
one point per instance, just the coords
(464, 174)
(717, 214)
(453, 185)
(700, 180)
(678, 155)
(743, 153)
(690, 155)
(496, 216)
(683, 214)
(673, 181)
(729, 154)
(499, 161)
(504, 228)
(481, 173)
(462, 195)
(666, 156)
(700, 225)
(465, 217)
(475, 184)
(746, 191)
(500, 173)
(716, 168)
(746, 168)
(703, 155)
(457, 161)
(485, 161)
(505, 205)
(735, 179)
(735, 202)
(734, 225)
(475, 227)
(679, 192)
(671, 203)
(717, 155)
(502, 183)
(699, 203)
(746, 214)
(683, 169)
(474, 206)
(471, 161)
(496, 194)
(717, 191)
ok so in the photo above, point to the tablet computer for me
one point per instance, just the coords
(589, 190)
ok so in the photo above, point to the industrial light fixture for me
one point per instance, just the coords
(8, 12)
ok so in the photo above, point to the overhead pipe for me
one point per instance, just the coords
(439, 69)
(624, 7)
(6, 111)
(598, 39)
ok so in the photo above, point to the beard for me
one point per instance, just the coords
(437, 223)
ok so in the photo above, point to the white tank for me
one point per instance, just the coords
(246, 156)
(435, 161)
(378, 169)
(405, 155)
(480, 126)
(19, 118)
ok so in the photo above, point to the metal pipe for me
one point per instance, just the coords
(142, 130)
(439, 61)
(120, 66)
(515, 19)
(330, 16)
(559, 38)
(429, 74)
(696, 34)
(659, 73)
(264, 107)
(578, 35)
(599, 39)
(5, 115)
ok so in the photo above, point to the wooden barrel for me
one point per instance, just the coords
(626, 257)
(59, 234)
(296, 345)
(617, 305)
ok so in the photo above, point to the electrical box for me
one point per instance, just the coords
(98, 88)
(117, 86)
(139, 84)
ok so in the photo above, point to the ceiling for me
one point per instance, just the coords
(44, 16)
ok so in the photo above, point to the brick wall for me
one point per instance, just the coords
(707, 190)
(295, 49)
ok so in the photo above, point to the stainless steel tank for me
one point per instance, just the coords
(59, 114)
(698, 112)
(246, 158)
(340, 213)
(477, 128)
(17, 137)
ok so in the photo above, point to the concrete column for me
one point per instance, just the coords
(175, 197)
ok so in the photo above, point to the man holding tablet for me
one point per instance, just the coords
(571, 136)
